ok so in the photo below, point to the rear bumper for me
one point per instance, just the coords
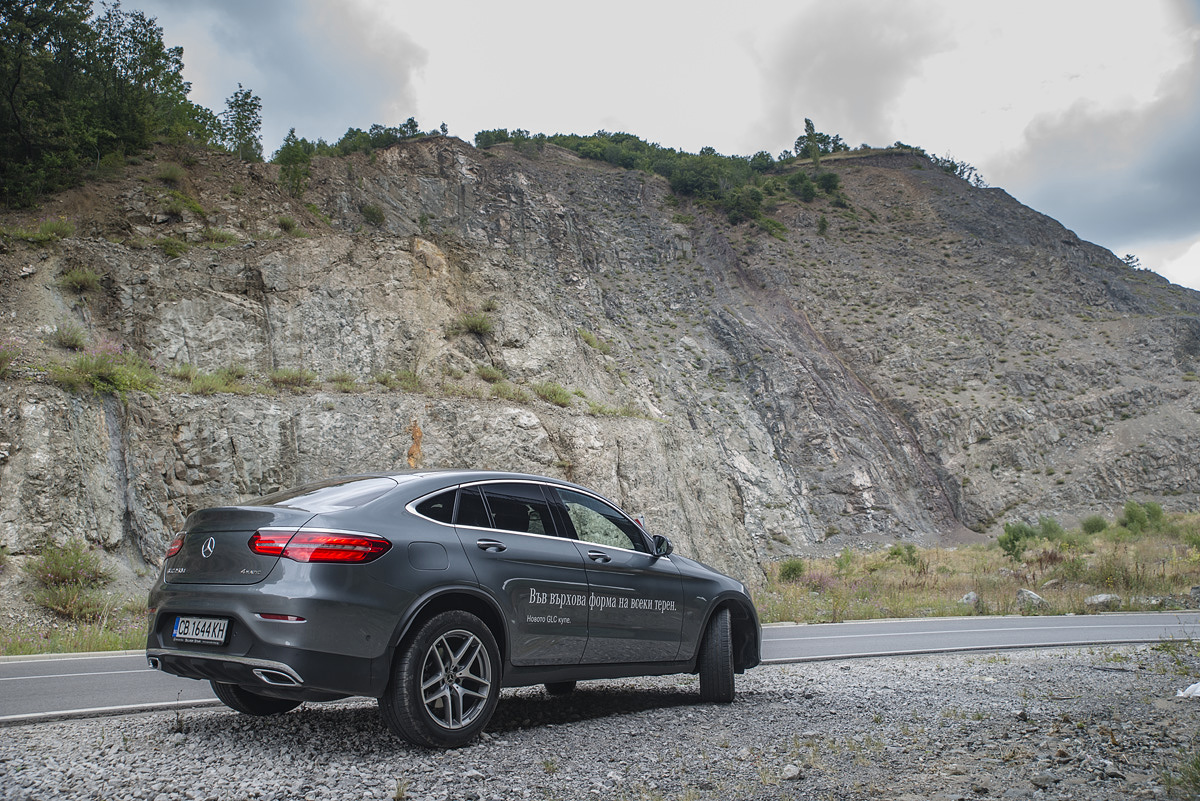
(293, 674)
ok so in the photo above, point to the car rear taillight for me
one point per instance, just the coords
(270, 541)
(175, 545)
(319, 546)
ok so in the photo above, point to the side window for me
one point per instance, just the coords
(519, 507)
(440, 507)
(597, 522)
(471, 511)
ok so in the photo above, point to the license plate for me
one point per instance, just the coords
(210, 630)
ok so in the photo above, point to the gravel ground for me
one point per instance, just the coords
(1058, 724)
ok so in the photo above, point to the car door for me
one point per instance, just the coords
(538, 578)
(635, 606)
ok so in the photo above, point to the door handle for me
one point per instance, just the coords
(491, 546)
(599, 556)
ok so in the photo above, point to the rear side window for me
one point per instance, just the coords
(519, 507)
(440, 507)
(333, 495)
(471, 511)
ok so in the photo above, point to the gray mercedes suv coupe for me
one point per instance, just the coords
(430, 590)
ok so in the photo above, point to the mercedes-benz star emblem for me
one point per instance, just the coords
(209, 546)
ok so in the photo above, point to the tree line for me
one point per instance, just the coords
(79, 94)
(739, 186)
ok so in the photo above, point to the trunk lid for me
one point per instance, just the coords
(216, 546)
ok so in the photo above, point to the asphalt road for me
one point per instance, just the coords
(82, 685)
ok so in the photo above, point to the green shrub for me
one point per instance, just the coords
(74, 602)
(1094, 524)
(47, 231)
(602, 410)
(9, 353)
(409, 381)
(804, 188)
(294, 379)
(843, 563)
(173, 248)
(234, 372)
(1073, 569)
(822, 225)
(1050, 529)
(829, 182)
(178, 203)
(476, 323)
(73, 563)
(372, 214)
(69, 335)
(594, 341)
(1134, 517)
(316, 212)
(80, 279)
(1183, 780)
(552, 392)
(184, 372)
(106, 369)
(287, 225)
(171, 174)
(1154, 514)
(510, 392)
(343, 381)
(55, 229)
(206, 384)
(1015, 538)
(1112, 572)
(215, 236)
(1119, 533)
(791, 570)
(489, 373)
(905, 554)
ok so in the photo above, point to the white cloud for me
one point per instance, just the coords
(845, 65)
(1087, 110)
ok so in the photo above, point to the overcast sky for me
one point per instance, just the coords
(1085, 110)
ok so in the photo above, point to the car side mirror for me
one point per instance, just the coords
(662, 546)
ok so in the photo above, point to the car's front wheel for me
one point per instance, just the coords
(251, 703)
(445, 683)
(716, 660)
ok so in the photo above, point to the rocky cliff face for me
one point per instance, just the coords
(941, 360)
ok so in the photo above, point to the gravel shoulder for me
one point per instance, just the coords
(1055, 724)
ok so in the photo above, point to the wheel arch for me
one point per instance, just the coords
(467, 599)
(745, 630)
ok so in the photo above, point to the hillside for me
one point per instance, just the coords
(940, 360)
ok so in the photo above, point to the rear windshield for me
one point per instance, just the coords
(333, 495)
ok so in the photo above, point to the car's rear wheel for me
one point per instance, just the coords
(716, 660)
(445, 683)
(560, 687)
(251, 703)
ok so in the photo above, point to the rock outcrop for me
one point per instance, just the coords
(941, 360)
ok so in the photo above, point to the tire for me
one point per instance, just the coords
(716, 660)
(251, 703)
(560, 687)
(445, 682)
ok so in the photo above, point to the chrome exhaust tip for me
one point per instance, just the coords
(276, 678)
(155, 662)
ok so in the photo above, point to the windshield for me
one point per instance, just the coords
(333, 495)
